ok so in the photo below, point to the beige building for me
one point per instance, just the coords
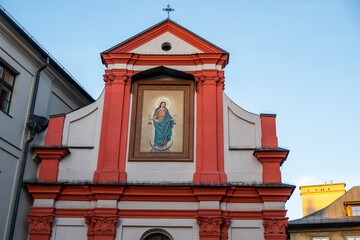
(338, 221)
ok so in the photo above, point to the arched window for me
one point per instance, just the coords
(156, 234)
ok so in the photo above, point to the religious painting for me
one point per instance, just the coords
(162, 121)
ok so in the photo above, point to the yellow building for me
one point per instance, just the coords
(316, 197)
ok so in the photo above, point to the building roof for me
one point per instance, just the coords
(335, 213)
(158, 24)
(44, 53)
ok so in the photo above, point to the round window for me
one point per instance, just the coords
(157, 236)
(166, 46)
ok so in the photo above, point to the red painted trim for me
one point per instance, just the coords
(268, 132)
(50, 158)
(46, 191)
(209, 148)
(166, 194)
(113, 145)
(40, 221)
(166, 60)
(160, 213)
(275, 224)
(271, 160)
(159, 30)
(55, 131)
(280, 195)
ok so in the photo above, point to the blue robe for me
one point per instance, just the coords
(163, 128)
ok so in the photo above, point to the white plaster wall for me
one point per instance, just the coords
(178, 46)
(69, 228)
(246, 230)
(242, 134)
(158, 205)
(82, 129)
(179, 229)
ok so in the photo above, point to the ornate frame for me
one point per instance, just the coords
(162, 83)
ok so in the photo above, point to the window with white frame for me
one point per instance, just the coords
(353, 238)
(320, 238)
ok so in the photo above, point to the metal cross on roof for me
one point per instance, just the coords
(168, 9)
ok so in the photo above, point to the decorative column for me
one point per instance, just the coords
(212, 225)
(271, 160)
(50, 157)
(40, 220)
(275, 224)
(113, 140)
(102, 224)
(270, 155)
(209, 133)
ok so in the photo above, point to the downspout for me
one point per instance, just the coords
(35, 125)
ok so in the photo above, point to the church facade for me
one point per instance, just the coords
(162, 154)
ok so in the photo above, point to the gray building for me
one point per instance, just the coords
(33, 86)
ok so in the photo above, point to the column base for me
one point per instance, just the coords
(209, 178)
(110, 176)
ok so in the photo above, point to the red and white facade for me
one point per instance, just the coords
(87, 188)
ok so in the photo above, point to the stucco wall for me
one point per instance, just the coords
(81, 134)
(242, 134)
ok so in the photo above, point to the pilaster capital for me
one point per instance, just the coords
(40, 224)
(101, 225)
(209, 226)
(275, 227)
(213, 226)
(108, 77)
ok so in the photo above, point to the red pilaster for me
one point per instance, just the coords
(209, 145)
(54, 131)
(40, 220)
(112, 153)
(212, 224)
(102, 224)
(268, 131)
(272, 160)
(50, 157)
(275, 224)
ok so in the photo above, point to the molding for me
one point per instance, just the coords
(92, 192)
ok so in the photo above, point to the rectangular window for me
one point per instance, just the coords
(352, 208)
(320, 238)
(353, 238)
(7, 80)
(355, 210)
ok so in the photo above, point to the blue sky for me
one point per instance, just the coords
(299, 59)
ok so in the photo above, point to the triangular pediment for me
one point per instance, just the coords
(181, 40)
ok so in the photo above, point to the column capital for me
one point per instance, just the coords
(212, 224)
(275, 228)
(40, 226)
(101, 225)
